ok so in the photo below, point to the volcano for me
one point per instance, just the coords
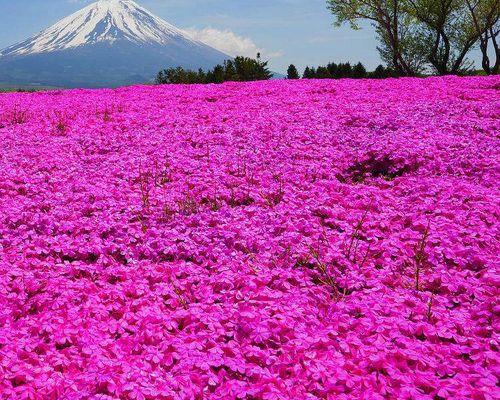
(108, 43)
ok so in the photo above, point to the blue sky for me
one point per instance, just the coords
(285, 31)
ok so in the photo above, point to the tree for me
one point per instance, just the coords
(418, 35)
(161, 77)
(292, 72)
(392, 28)
(333, 70)
(380, 73)
(249, 69)
(445, 32)
(484, 16)
(178, 75)
(239, 69)
(412, 49)
(451, 28)
(218, 74)
(344, 70)
(359, 71)
(230, 71)
(202, 77)
(322, 73)
(308, 73)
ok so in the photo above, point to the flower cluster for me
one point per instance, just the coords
(272, 240)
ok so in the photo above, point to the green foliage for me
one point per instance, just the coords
(445, 33)
(23, 90)
(359, 71)
(382, 72)
(322, 73)
(230, 73)
(309, 73)
(240, 69)
(178, 75)
(249, 69)
(421, 35)
(345, 70)
(483, 17)
(292, 72)
(393, 29)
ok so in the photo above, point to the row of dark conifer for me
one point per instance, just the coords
(242, 69)
(339, 71)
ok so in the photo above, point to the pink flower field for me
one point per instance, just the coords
(278, 240)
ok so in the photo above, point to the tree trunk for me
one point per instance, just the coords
(496, 67)
(458, 62)
(440, 62)
(482, 32)
(447, 47)
(486, 60)
(399, 63)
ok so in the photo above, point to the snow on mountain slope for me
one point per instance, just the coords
(106, 44)
(102, 21)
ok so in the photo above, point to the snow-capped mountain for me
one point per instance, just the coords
(103, 21)
(107, 43)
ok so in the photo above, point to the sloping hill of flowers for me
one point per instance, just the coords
(278, 240)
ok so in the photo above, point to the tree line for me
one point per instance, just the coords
(242, 69)
(422, 36)
(239, 69)
(339, 71)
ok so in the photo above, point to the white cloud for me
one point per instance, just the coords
(224, 40)
(274, 54)
(229, 42)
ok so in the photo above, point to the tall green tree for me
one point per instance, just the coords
(417, 35)
(218, 74)
(393, 29)
(333, 69)
(308, 73)
(230, 71)
(446, 31)
(359, 71)
(238, 69)
(292, 72)
(249, 69)
(381, 72)
(322, 73)
(179, 75)
(345, 70)
(484, 18)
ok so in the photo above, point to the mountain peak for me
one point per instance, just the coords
(112, 4)
(107, 43)
(102, 21)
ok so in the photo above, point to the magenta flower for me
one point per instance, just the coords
(291, 240)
